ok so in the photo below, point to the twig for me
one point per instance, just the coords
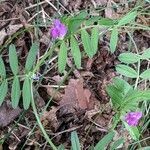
(34, 5)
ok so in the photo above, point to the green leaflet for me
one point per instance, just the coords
(129, 58)
(102, 144)
(115, 95)
(75, 141)
(31, 56)
(146, 54)
(13, 59)
(2, 68)
(86, 41)
(26, 92)
(15, 92)
(113, 39)
(94, 40)
(61, 147)
(106, 22)
(75, 52)
(127, 18)
(62, 57)
(126, 71)
(145, 75)
(92, 20)
(76, 21)
(3, 91)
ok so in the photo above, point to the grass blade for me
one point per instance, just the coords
(75, 52)
(31, 56)
(62, 57)
(3, 91)
(75, 141)
(117, 143)
(15, 92)
(13, 59)
(26, 93)
(101, 145)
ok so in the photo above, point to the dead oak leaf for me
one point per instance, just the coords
(8, 31)
(8, 114)
(49, 119)
(75, 95)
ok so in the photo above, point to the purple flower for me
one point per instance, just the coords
(132, 118)
(59, 30)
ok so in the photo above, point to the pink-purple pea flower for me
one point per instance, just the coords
(132, 118)
(58, 30)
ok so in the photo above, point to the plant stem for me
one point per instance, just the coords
(47, 54)
(39, 122)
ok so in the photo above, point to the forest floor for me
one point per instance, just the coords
(59, 97)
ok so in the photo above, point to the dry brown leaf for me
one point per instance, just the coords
(8, 114)
(49, 119)
(3, 35)
(76, 95)
(11, 29)
(99, 2)
(57, 78)
(109, 12)
(57, 96)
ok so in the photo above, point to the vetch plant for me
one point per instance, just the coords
(77, 29)
(124, 98)
(125, 101)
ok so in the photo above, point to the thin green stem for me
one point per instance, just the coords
(45, 56)
(39, 122)
(139, 63)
